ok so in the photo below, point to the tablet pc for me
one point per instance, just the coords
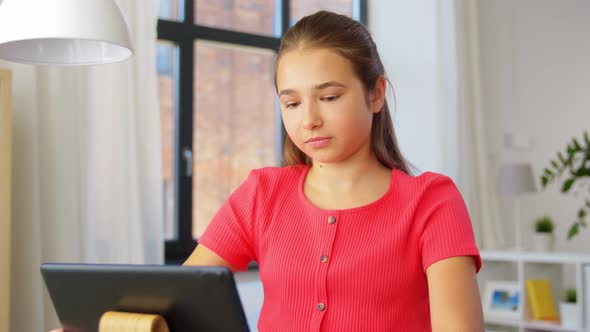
(190, 298)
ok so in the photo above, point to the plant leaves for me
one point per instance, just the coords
(567, 185)
(577, 152)
(570, 160)
(574, 230)
(544, 181)
(577, 145)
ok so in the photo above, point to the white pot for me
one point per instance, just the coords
(544, 242)
(569, 314)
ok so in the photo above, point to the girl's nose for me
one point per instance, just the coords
(311, 118)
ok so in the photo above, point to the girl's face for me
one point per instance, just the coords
(324, 105)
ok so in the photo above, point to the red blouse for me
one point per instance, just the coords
(358, 269)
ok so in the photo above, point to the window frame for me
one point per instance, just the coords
(183, 33)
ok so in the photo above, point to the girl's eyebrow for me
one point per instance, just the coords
(315, 87)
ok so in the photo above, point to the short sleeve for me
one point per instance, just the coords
(446, 226)
(231, 233)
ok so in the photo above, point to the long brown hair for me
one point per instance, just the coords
(351, 40)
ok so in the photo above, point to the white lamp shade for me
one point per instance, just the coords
(515, 179)
(63, 32)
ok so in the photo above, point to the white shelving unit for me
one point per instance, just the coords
(521, 265)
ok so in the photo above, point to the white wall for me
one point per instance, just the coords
(535, 72)
(416, 42)
(535, 57)
(407, 45)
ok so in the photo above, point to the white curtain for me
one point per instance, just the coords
(86, 167)
(476, 179)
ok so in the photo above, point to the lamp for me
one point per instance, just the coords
(63, 32)
(516, 179)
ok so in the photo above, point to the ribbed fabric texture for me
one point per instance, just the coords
(359, 269)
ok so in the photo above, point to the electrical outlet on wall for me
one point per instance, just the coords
(517, 141)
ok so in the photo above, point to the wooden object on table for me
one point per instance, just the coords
(115, 321)
(5, 189)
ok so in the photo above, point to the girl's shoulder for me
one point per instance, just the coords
(426, 183)
(424, 178)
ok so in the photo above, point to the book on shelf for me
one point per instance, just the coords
(541, 300)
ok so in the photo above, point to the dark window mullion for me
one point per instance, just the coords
(177, 251)
(189, 11)
(169, 30)
(184, 126)
(285, 16)
(234, 37)
(363, 11)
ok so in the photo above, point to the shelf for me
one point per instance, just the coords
(534, 257)
(534, 324)
(503, 321)
(522, 265)
(548, 326)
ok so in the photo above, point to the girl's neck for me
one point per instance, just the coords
(347, 175)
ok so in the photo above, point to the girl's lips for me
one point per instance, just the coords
(319, 142)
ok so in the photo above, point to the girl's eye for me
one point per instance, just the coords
(291, 105)
(331, 98)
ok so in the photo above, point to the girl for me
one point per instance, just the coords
(345, 238)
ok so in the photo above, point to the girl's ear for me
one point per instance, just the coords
(378, 95)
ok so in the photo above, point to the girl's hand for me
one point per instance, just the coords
(57, 330)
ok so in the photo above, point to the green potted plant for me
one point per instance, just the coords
(568, 309)
(574, 166)
(543, 238)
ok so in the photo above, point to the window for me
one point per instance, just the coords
(167, 65)
(210, 54)
(234, 123)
